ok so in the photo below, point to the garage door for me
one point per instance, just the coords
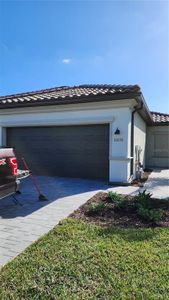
(74, 151)
(158, 147)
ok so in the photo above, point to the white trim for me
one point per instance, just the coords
(58, 122)
(54, 122)
(110, 146)
(119, 158)
(1, 136)
(70, 107)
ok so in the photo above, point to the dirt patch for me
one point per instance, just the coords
(109, 216)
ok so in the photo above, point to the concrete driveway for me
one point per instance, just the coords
(22, 225)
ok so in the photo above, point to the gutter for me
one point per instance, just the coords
(68, 100)
(136, 109)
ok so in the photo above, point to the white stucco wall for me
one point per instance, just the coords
(1, 135)
(139, 138)
(119, 146)
(116, 113)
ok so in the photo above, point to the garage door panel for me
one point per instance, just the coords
(158, 146)
(74, 151)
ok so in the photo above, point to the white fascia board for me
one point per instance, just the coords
(53, 122)
(130, 103)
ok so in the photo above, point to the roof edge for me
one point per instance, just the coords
(84, 99)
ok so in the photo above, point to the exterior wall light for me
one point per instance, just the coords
(117, 132)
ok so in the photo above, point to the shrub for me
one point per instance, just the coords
(114, 197)
(154, 215)
(96, 208)
(145, 208)
(144, 199)
(119, 201)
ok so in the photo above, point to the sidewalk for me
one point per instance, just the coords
(157, 184)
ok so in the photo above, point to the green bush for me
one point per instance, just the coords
(145, 208)
(96, 208)
(144, 199)
(119, 201)
(114, 197)
(154, 215)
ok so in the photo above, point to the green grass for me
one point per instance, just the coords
(83, 261)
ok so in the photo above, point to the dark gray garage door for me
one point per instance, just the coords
(157, 151)
(74, 151)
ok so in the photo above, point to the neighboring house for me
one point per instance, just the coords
(87, 131)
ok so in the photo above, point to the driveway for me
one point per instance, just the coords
(22, 225)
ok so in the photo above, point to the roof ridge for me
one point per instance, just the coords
(109, 85)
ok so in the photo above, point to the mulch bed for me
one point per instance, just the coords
(110, 217)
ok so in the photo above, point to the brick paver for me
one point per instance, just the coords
(22, 225)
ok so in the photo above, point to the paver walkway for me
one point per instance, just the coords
(22, 225)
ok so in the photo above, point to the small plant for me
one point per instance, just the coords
(96, 208)
(154, 215)
(144, 199)
(145, 208)
(114, 197)
(119, 201)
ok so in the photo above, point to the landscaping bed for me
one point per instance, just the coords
(102, 211)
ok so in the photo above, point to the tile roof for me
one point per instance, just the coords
(66, 93)
(159, 117)
(75, 94)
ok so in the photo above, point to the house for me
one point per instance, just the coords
(87, 131)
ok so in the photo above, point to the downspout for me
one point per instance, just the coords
(136, 109)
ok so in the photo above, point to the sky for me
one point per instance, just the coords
(46, 44)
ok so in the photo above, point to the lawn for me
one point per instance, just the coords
(84, 261)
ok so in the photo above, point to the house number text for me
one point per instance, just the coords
(118, 139)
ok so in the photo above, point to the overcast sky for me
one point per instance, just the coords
(45, 44)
